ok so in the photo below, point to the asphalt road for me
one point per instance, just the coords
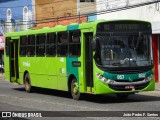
(14, 98)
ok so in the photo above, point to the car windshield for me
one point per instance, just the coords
(124, 51)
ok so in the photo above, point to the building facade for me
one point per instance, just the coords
(15, 15)
(138, 10)
(46, 10)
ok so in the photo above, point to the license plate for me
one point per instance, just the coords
(129, 87)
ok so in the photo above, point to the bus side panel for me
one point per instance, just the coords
(41, 74)
(71, 68)
(51, 72)
(62, 73)
(6, 68)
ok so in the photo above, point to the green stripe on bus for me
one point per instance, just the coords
(73, 27)
(70, 68)
(127, 76)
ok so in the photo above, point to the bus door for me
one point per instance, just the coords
(88, 37)
(14, 71)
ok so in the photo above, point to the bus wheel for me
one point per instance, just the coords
(122, 96)
(27, 83)
(75, 89)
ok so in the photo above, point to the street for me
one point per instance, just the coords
(14, 98)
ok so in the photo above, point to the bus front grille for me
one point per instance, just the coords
(123, 87)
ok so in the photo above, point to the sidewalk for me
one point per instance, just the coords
(157, 86)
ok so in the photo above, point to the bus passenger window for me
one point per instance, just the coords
(51, 44)
(62, 46)
(23, 41)
(40, 44)
(7, 45)
(74, 43)
(31, 45)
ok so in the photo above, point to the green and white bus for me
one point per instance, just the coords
(99, 57)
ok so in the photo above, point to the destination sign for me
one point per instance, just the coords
(123, 26)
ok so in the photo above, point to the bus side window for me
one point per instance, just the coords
(31, 45)
(74, 43)
(23, 41)
(7, 42)
(62, 46)
(51, 44)
(40, 44)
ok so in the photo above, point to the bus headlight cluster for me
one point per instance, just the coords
(104, 79)
(148, 78)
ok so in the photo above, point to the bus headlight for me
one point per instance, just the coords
(148, 78)
(104, 79)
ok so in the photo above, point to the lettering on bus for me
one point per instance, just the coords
(126, 26)
(123, 26)
(120, 77)
(27, 64)
(62, 59)
(142, 75)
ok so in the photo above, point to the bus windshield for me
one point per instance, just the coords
(124, 50)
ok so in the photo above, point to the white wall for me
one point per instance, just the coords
(148, 13)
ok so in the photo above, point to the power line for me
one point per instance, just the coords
(84, 7)
(100, 12)
(35, 5)
(114, 10)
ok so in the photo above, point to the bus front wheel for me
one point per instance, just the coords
(27, 83)
(75, 90)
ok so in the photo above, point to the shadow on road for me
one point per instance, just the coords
(102, 99)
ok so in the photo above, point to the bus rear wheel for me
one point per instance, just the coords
(27, 83)
(75, 90)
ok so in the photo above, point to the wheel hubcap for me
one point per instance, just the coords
(75, 88)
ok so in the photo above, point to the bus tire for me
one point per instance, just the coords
(75, 89)
(27, 83)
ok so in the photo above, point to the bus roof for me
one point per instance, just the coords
(59, 28)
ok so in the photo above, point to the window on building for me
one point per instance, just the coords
(74, 43)
(62, 45)
(7, 45)
(51, 44)
(25, 10)
(23, 47)
(40, 44)
(31, 45)
(86, 0)
(9, 13)
(25, 17)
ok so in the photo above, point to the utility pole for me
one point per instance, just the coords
(78, 9)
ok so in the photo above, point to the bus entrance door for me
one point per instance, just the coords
(88, 61)
(14, 71)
